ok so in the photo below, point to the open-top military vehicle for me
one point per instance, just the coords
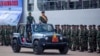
(38, 37)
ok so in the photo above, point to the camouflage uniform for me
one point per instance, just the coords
(63, 33)
(77, 38)
(0, 34)
(74, 38)
(28, 31)
(14, 29)
(30, 19)
(21, 30)
(94, 33)
(62, 26)
(57, 29)
(82, 38)
(11, 32)
(98, 39)
(70, 42)
(86, 37)
(68, 33)
(3, 35)
(90, 39)
(43, 18)
(8, 39)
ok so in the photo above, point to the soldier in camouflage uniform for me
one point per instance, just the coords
(62, 26)
(74, 38)
(86, 37)
(3, 35)
(90, 39)
(70, 43)
(11, 33)
(6, 34)
(2, 42)
(68, 33)
(57, 29)
(0, 34)
(21, 31)
(77, 38)
(43, 18)
(82, 38)
(63, 31)
(8, 39)
(94, 33)
(98, 39)
(30, 19)
(14, 29)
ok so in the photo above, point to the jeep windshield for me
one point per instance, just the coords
(43, 28)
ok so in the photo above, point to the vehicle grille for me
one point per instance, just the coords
(50, 39)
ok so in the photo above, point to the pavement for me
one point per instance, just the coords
(7, 51)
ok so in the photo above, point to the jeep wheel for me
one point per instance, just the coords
(37, 48)
(63, 50)
(15, 46)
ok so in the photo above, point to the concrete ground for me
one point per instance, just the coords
(7, 51)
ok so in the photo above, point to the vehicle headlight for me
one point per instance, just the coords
(61, 38)
(46, 38)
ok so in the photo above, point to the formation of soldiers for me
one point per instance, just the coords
(81, 37)
(6, 32)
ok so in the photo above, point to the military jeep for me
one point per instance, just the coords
(38, 37)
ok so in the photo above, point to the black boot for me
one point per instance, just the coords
(78, 48)
(73, 49)
(86, 49)
(95, 49)
(81, 49)
(98, 51)
(90, 51)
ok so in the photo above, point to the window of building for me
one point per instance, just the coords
(52, 4)
(71, 5)
(86, 4)
(79, 4)
(99, 3)
(93, 3)
(67, 4)
(60, 5)
(74, 4)
(30, 5)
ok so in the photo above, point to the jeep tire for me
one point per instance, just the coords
(15, 46)
(37, 48)
(63, 50)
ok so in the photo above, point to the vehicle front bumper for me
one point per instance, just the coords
(54, 45)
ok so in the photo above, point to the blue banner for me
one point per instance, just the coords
(10, 11)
